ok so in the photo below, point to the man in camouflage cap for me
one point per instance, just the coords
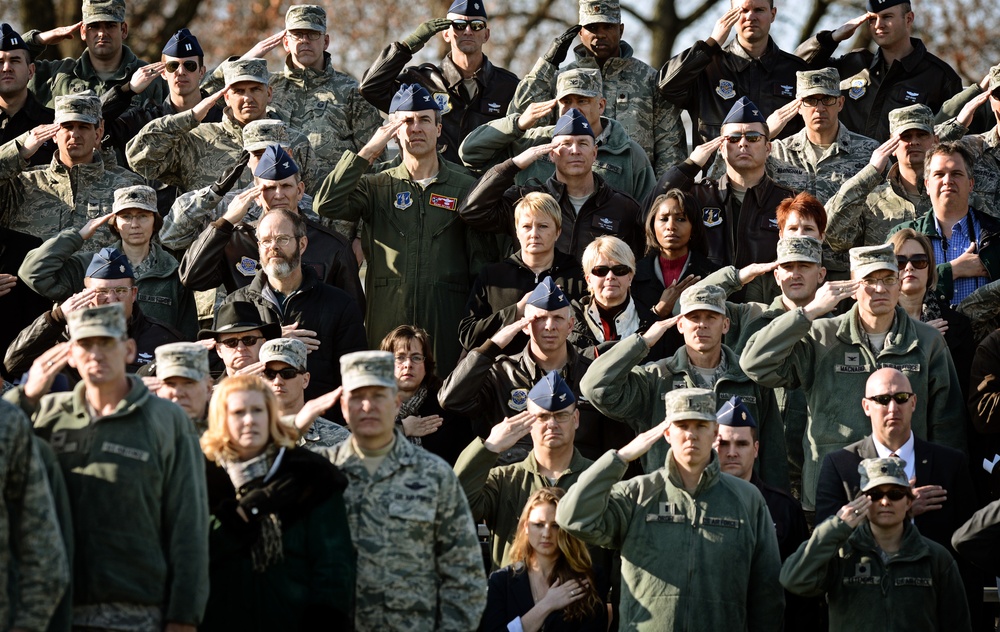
(685, 499)
(623, 387)
(135, 476)
(106, 62)
(429, 576)
(821, 156)
(629, 85)
(76, 186)
(20, 111)
(182, 376)
(620, 160)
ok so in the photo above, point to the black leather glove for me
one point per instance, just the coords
(226, 181)
(560, 46)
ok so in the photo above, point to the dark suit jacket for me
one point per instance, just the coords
(509, 597)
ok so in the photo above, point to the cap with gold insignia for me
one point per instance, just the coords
(288, 350)
(253, 69)
(917, 116)
(584, 82)
(694, 404)
(888, 471)
(182, 359)
(11, 39)
(813, 82)
(305, 17)
(805, 249)
(594, 11)
(139, 197)
(103, 11)
(109, 263)
(548, 296)
(708, 297)
(736, 414)
(468, 8)
(257, 135)
(551, 393)
(367, 368)
(106, 321)
(412, 97)
(868, 259)
(573, 123)
(84, 107)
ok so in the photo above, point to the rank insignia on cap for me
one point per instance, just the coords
(548, 296)
(858, 88)
(403, 201)
(275, 164)
(518, 399)
(121, 269)
(725, 89)
(246, 266)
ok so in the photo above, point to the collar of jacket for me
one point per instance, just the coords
(308, 76)
(844, 142)
(895, 181)
(910, 62)
(911, 548)
(445, 169)
(84, 69)
(163, 266)
(560, 262)
(626, 322)
(259, 283)
(88, 172)
(33, 111)
(451, 73)
(558, 190)
(577, 464)
(987, 224)
(708, 479)
(742, 58)
(680, 362)
(586, 59)
(760, 191)
(402, 454)
(535, 374)
(902, 336)
(136, 396)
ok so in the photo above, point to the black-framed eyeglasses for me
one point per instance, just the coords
(619, 270)
(475, 25)
(883, 400)
(248, 341)
(895, 495)
(304, 35)
(919, 262)
(189, 65)
(826, 99)
(286, 373)
(752, 137)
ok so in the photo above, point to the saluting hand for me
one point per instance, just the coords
(701, 154)
(968, 110)
(264, 46)
(780, 117)
(534, 113)
(44, 370)
(856, 511)
(848, 28)
(725, 24)
(652, 335)
(90, 228)
(828, 296)
(315, 407)
(240, 204)
(880, 157)
(507, 333)
(145, 75)
(386, 132)
(508, 432)
(524, 159)
(643, 442)
(38, 137)
(58, 34)
(752, 271)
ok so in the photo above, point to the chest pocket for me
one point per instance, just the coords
(783, 90)
(491, 108)
(909, 95)
(326, 119)
(605, 224)
(769, 224)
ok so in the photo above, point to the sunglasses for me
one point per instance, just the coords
(883, 400)
(919, 262)
(895, 495)
(286, 374)
(189, 65)
(618, 270)
(752, 137)
(811, 102)
(461, 25)
(248, 341)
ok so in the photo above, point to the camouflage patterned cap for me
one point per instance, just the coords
(994, 78)
(257, 135)
(252, 69)
(594, 11)
(689, 404)
(103, 11)
(138, 197)
(888, 471)
(307, 17)
(868, 259)
(367, 368)
(709, 297)
(182, 359)
(807, 249)
(812, 82)
(107, 321)
(917, 116)
(84, 107)
(288, 350)
(584, 82)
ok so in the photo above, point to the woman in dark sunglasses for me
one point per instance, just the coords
(918, 295)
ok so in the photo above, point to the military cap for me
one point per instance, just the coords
(595, 11)
(305, 17)
(259, 134)
(807, 249)
(111, 264)
(237, 317)
(812, 82)
(707, 297)
(876, 6)
(735, 413)
(572, 123)
(551, 393)
(367, 368)
(183, 44)
(744, 111)
(252, 69)
(917, 116)
(139, 196)
(888, 471)
(868, 259)
(584, 82)
(696, 404)
(182, 359)
(548, 296)
(994, 78)
(468, 8)
(103, 11)
(412, 97)
(106, 321)
(84, 107)
(11, 39)
(288, 350)
(275, 164)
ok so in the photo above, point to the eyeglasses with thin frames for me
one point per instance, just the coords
(812, 102)
(885, 282)
(304, 36)
(416, 358)
(280, 241)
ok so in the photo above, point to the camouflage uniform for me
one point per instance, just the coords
(841, 160)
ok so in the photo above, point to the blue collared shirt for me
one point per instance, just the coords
(964, 232)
